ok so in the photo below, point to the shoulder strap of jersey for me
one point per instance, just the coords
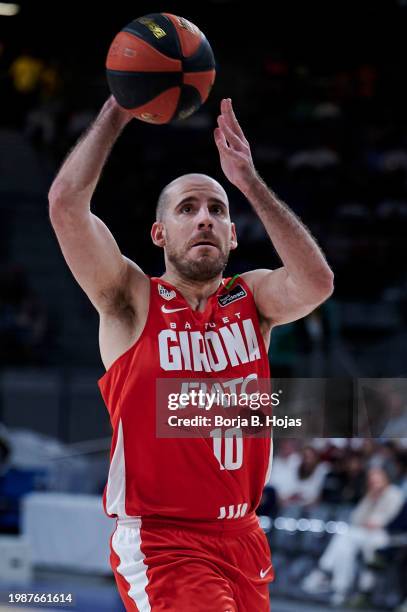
(232, 280)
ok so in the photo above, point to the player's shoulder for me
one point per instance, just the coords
(135, 274)
(138, 285)
(252, 278)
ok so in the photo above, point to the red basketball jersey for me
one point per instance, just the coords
(184, 478)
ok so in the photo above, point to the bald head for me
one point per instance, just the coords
(181, 182)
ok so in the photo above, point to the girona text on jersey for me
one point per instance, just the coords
(211, 350)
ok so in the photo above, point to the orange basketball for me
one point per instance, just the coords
(160, 67)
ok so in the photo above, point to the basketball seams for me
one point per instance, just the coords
(188, 35)
(188, 102)
(165, 63)
(137, 89)
(202, 81)
(161, 109)
(202, 60)
(175, 33)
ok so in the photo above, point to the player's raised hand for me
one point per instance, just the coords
(234, 150)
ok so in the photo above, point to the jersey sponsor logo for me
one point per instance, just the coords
(170, 310)
(165, 293)
(237, 293)
(209, 351)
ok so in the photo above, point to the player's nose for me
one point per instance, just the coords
(204, 219)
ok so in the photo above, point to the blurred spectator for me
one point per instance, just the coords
(285, 466)
(402, 470)
(367, 448)
(34, 84)
(395, 553)
(5, 450)
(269, 503)
(40, 125)
(366, 533)
(396, 425)
(385, 456)
(344, 484)
(310, 476)
(26, 72)
(297, 478)
(354, 479)
(23, 320)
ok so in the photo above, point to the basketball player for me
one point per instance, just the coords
(187, 538)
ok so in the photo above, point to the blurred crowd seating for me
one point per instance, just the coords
(314, 489)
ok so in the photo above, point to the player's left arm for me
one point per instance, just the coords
(305, 280)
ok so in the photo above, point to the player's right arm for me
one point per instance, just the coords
(89, 248)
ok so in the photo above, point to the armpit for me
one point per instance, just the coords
(118, 304)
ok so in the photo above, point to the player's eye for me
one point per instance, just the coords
(186, 208)
(217, 209)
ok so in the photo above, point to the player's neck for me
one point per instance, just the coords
(195, 292)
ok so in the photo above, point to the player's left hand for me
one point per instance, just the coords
(234, 150)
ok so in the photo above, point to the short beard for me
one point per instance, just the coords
(202, 270)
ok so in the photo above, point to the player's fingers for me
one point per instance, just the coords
(226, 114)
(229, 114)
(235, 122)
(231, 136)
(220, 140)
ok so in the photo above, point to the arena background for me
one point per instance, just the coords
(320, 91)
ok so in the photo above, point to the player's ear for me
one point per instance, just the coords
(233, 239)
(158, 234)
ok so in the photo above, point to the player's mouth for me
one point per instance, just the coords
(205, 243)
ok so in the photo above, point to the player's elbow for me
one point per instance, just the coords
(55, 212)
(325, 284)
(57, 200)
(319, 287)
(65, 205)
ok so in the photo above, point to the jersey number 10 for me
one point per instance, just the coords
(228, 450)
